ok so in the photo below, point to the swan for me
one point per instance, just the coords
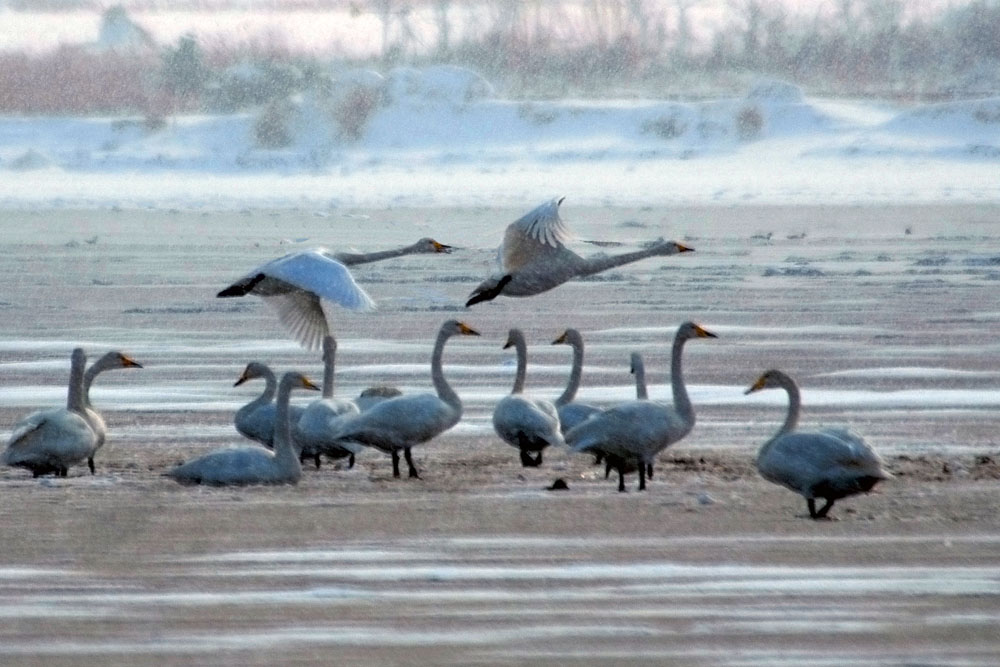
(830, 463)
(252, 465)
(256, 419)
(571, 412)
(534, 257)
(295, 284)
(313, 429)
(50, 441)
(625, 467)
(530, 424)
(402, 422)
(376, 394)
(108, 361)
(638, 430)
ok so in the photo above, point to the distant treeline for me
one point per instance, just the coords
(528, 49)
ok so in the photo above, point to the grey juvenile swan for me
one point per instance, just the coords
(296, 284)
(829, 463)
(528, 423)
(50, 441)
(638, 430)
(571, 412)
(534, 257)
(236, 466)
(400, 423)
(313, 432)
(109, 361)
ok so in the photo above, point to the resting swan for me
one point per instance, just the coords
(109, 361)
(50, 441)
(530, 424)
(829, 463)
(534, 257)
(638, 430)
(398, 424)
(572, 413)
(296, 284)
(313, 430)
(237, 466)
(256, 419)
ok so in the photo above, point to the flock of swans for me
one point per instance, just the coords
(827, 464)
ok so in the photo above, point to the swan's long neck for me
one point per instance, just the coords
(575, 373)
(794, 406)
(639, 369)
(76, 396)
(444, 390)
(270, 384)
(329, 355)
(284, 453)
(522, 363)
(95, 369)
(592, 265)
(682, 404)
(352, 258)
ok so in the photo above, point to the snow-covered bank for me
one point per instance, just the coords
(440, 137)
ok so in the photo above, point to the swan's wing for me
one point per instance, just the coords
(517, 416)
(574, 414)
(804, 459)
(531, 233)
(399, 422)
(56, 434)
(301, 313)
(315, 271)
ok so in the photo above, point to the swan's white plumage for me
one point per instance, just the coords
(314, 430)
(572, 412)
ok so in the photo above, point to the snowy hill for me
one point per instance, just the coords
(443, 136)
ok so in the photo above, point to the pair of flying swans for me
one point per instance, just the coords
(636, 431)
(50, 441)
(296, 285)
(534, 257)
(828, 463)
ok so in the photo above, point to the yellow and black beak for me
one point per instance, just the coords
(756, 386)
(440, 247)
(466, 330)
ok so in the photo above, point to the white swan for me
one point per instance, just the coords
(398, 424)
(50, 441)
(252, 465)
(638, 430)
(313, 430)
(295, 286)
(256, 419)
(571, 412)
(829, 463)
(530, 424)
(534, 257)
(626, 467)
(109, 361)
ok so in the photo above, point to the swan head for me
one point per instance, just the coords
(771, 379)
(456, 328)
(569, 337)
(513, 336)
(78, 357)
(297, 380)
(115, 359)
(690, 330)
(254, 369)
(428, 244)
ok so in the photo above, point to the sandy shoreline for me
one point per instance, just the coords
(890, 332)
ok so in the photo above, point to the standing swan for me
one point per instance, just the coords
(313, 430)
(109, 361)
(572, 413)
(612, 462)
(252, 465)
(530, 424)
(256, 419)
(50, 441)
(534, 257)
(638, 430)
(830, 463)
(402, 422)
(296, 284)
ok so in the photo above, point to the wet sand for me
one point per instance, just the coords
(892, 333)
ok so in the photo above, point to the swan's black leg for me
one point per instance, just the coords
(489, 294)
(409, 462)
(395, 463)
(527, 461)
(649, 470)
(350, 461)
(621, 480)
(642, 476)
(811, 504)
(90, 464)
(608, 467)
(598, 457)
(821, 514)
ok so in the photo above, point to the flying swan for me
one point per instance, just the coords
(296, 285)
(830, 463)
(534, 257)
